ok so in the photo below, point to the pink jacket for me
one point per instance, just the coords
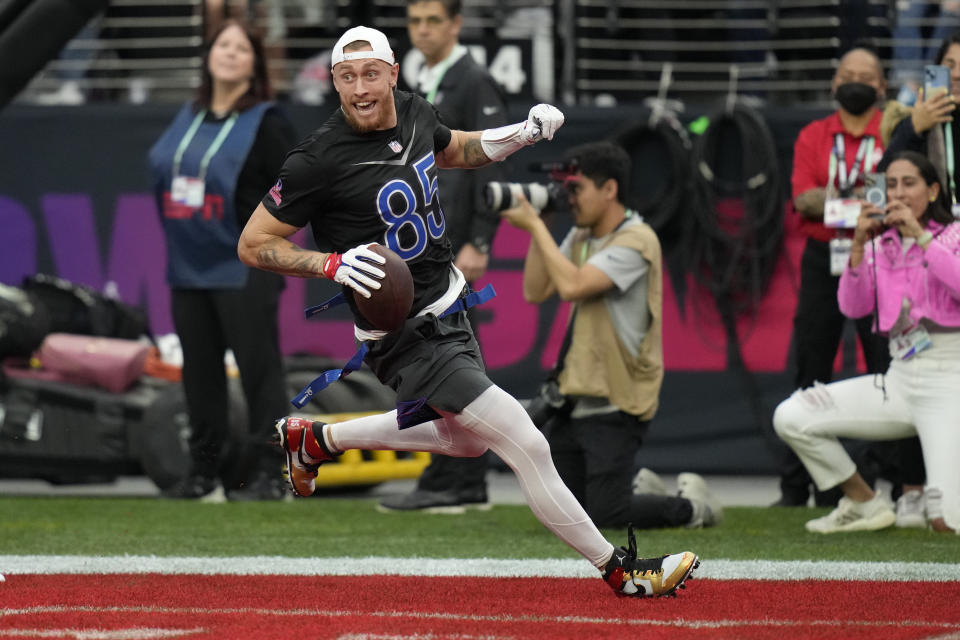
(929, 279)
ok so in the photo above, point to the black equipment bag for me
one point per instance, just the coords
(76, 308)
(66, 433)
(63, 432)
(23, 323)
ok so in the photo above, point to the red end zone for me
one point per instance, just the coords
(143, 606)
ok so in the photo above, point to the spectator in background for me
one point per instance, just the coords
(830, 158)
(926, 127)
(74, 63)
(611, 367)
(467, 99)
(211, 167)
(904, 266)
(919, 22)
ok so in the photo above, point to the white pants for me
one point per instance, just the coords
(923, 398)
(495, 421)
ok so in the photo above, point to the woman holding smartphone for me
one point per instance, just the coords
(929, 127)
(905, 269)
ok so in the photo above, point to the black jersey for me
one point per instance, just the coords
(357, 188)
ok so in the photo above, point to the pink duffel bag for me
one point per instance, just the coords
(111, 363)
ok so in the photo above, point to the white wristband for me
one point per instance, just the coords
(501, 142)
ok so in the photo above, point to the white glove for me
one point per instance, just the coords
(355, 269)
(542, 121)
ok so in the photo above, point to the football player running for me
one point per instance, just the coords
(368, 175)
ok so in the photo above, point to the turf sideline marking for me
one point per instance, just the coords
(476, 567)
(470, 617)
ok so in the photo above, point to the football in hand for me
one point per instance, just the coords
(387, 308)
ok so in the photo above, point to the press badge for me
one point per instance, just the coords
(839, 255)
(841, 213)
(187, 191)
(910, 343)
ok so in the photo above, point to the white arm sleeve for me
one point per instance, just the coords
(542, 122)
(501, 142)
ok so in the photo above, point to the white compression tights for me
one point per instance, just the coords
(495, 421)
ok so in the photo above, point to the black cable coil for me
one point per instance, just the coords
(659, 150)
(735, 234)
(732, 250)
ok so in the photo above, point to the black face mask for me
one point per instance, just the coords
(856, 97)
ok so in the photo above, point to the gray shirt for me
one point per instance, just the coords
(626, 301)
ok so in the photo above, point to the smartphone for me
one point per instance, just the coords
(936, 80)
(875, 189)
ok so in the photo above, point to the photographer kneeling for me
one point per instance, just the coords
(904, 267)
(611, 367)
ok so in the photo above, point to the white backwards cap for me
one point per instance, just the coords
(381, 47)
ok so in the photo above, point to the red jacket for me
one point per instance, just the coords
(811, 161)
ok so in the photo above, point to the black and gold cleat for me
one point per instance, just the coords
(636, 577)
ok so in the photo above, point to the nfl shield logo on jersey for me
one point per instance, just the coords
(275, 192)
(396, 146)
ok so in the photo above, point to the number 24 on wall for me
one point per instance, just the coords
(506, 66)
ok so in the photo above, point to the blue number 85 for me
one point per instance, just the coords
(431, 225)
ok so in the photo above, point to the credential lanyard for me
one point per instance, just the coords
(951, 163)
(214, 146)
(432, 94)
(585, 248)
(838, 162)
(568, 335)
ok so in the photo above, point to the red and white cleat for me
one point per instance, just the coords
(301, 473)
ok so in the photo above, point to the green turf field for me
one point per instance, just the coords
(332, 527)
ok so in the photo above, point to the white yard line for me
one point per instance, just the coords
(477, 567)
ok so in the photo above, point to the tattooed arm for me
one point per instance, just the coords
(463, 152)
(264, 245)
(472, 149)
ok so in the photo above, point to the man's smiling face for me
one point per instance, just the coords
(366, 87)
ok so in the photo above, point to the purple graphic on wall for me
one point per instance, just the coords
(18, 255)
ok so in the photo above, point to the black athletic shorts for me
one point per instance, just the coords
(431, 358)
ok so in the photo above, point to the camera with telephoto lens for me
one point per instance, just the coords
(504, 195)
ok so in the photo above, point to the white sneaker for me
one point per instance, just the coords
(646, 481)
(855, 516)
(911, 510)
(69, 93)
(934, 503)
(707, 510)
(217, 496)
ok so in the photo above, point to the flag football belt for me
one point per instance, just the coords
(408, 413)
